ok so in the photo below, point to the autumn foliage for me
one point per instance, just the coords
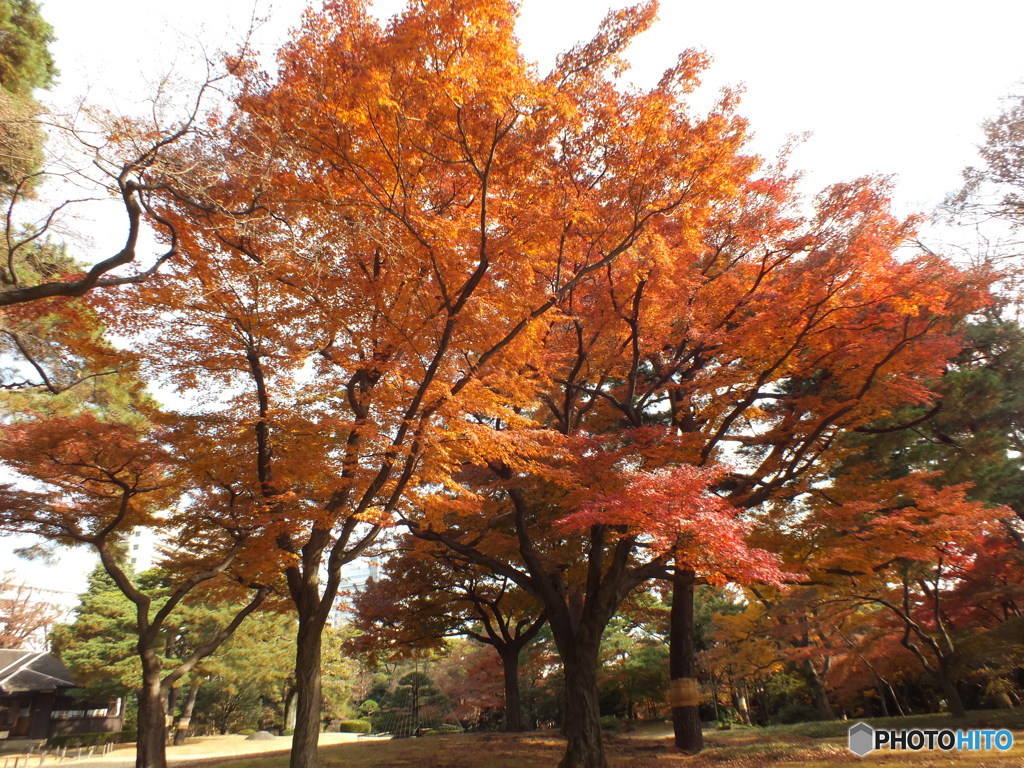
(569, 333)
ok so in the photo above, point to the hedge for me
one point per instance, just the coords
(353, 726)
(445, 728)
(74, 740)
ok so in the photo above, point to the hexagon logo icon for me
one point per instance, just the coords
(861, 739)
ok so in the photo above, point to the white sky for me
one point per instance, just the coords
(896, 87)
(899, 86)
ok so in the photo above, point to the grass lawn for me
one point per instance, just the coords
(808, 745)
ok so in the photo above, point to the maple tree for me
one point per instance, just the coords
(561, 326)
(899, 545)
(91, 483)
(25, 616)
(966, 443)
(909, 580)
(874, 659)
(789, 455)
(472, 679)
(425, 596)
(809, 640)
(798, 627)
(50, 164)
(743, 657)
(101, 156)
(401, 253)
(993, 190)
(706, 375)
(970, 433)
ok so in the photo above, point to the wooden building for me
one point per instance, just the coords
(35, 700)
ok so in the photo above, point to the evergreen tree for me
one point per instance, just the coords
(98, 647)
(25, 64)
(25, 36)
(975, 433)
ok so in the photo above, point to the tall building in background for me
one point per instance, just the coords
(353, 578)
(142, 549)
(357, 573)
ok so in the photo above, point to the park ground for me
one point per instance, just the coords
(806, 745)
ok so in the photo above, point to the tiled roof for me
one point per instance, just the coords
(24, 671)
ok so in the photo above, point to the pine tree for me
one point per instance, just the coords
(25, 59)
(98, 647)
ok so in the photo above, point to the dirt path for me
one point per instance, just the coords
(200, 749)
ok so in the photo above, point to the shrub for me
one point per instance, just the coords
(353, 726)
(75, 740)
(369, 707)
(444, 728)
(794, 711)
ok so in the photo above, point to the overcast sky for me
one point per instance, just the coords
(898, 87)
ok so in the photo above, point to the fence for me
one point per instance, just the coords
(34, 758)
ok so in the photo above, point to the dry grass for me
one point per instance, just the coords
(740, 748)
(754, 748)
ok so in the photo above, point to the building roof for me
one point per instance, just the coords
(25, 671)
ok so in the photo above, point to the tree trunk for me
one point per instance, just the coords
(172, 704)
(739, 703)
(883, 687)
(743, 704)
(714, 701)
(819, 691)
(308, 693)
(513, 702)
(682, 665)
(289, 711)
(762, 705)
(948, 685)
(885, 703)
(582, 711)
(901, 710)
(151, 743)
(181, 732)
